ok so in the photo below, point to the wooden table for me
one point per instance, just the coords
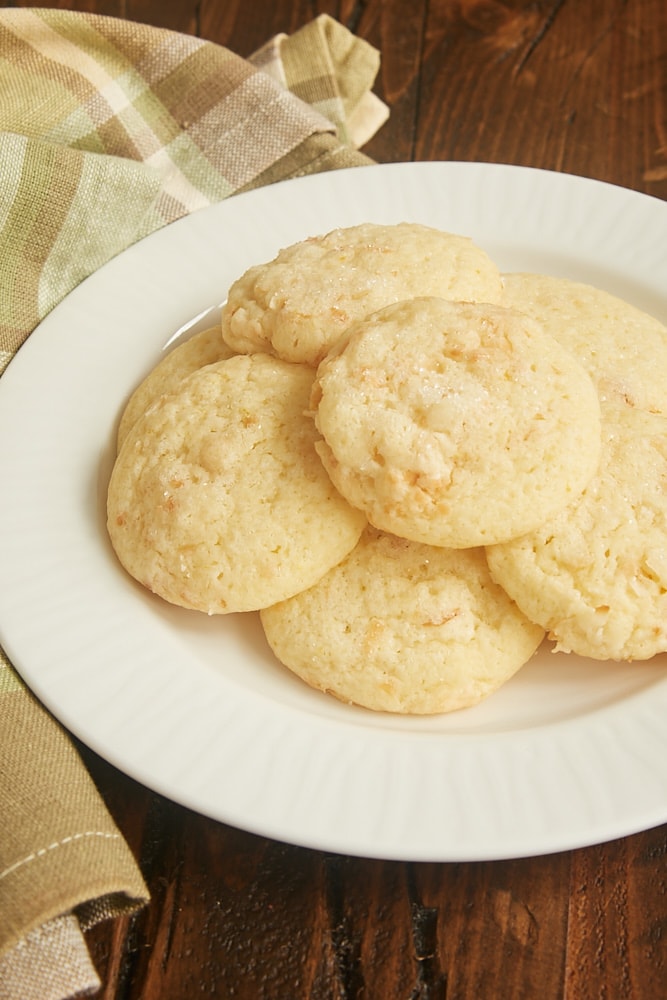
(571, 85)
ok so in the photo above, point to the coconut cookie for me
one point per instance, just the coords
(402, 627)
(218, 501)
(623, 348)
(201, 349)
(455, 424)
(595, 576)
(297, 305)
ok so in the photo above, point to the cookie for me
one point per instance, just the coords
(595, 576)
(403, 627)
(297, 305)
(623, 348)
(201, 349)
(218, 501)
(455, 424)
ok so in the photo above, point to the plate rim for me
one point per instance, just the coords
(366, 838)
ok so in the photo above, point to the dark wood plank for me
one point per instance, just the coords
(233, 914)
(617, 919)
(563, 86)
(498, 928)
(174, 16)
(400, 41)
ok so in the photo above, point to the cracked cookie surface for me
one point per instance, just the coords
(218, 501)
(455, 424)
(297, 305)
(595, 576)
(203, 348)
(403, 627)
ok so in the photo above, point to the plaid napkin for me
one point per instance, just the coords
(132, 127)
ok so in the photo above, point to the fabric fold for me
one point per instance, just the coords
(48, 245)
(109, 130)
(333, 71)
(51, 962)
(176, 122)
(59, 827)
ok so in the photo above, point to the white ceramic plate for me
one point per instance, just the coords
(568, 753)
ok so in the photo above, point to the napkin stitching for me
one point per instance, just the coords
(47, 930)
(58, 843)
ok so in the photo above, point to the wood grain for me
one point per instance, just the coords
(557, 84)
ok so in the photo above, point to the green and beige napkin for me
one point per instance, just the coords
(110, 130)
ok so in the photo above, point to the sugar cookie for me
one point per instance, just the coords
(218, 501)
(455, 424)
(595, 576)
(297, 305)
(623, 349)
(201, 349)
(399, 626)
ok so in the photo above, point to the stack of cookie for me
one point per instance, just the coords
(411, 465)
